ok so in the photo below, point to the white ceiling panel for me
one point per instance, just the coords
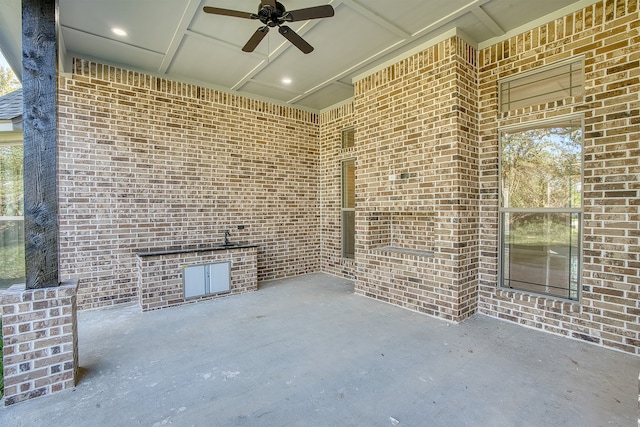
(217, 64)
(111, 52)
(510, 14)
(327, 96)
(235, 31)
(177, 39)
(280, 93)
(149, 24)
(412, 15)
(346, 35)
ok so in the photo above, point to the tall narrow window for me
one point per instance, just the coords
(12, 268)
(348, 208)
(541, 208)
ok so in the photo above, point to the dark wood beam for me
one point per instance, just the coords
(39, 92)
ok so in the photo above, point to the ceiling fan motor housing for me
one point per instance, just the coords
(272, 13)
(270, 16)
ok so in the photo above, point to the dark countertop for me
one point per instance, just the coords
(170, 251)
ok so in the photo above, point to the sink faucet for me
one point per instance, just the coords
(227, 235)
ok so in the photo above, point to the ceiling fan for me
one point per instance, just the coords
(272, 13)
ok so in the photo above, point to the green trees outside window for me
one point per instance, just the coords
(12, 268)
(541, 208)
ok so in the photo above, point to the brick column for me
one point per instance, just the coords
(40, 340)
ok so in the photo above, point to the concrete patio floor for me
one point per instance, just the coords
(308, 352)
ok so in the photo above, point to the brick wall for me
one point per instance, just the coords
(332, 123)
(40, 341)
(423, 118)
(607, 35)
(147, 162)
(416, 182)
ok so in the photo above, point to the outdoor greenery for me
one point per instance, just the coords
(12, 266)
(11, 200)
(542, 229)
(1, 369)
(541, 167)
(8, 81)
(541, 183)
(11, 177)
(11, 248)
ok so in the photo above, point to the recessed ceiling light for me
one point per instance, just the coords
(286, 80)
(119, 32)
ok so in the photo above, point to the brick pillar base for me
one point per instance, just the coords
(40, 340)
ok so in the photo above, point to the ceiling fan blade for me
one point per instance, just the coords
(316, 12)
(294, 38)
(255, 39)
(228, 12)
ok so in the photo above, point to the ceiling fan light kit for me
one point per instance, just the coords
(273, 14)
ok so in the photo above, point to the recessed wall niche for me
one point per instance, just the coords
(400, 231)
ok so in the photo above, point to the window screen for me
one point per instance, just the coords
(542, 86)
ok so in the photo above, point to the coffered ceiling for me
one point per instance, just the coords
(176, 39)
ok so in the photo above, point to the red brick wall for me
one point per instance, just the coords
(148, 163)
(606, 35)
(422, 116)
(332, 123)
(40, 341)
(416, 121)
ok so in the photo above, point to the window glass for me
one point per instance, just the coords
(541, 208)
(541, 167)
(541, 252)
(12, 263)
(348, 184)
(348, 234)
(348, 208)
(348, 138)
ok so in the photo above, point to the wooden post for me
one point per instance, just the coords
(39, 91)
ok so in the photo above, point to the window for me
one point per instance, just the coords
(543, 85)
(348, 208)
(348, 138)
(541, 208)
(12, 262)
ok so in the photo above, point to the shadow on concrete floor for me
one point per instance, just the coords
(306, 351)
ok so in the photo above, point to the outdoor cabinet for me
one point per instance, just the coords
(206, 279)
